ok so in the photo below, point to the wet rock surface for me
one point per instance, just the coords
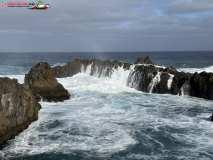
(198, 85)
(143, 61)
(201, 85)
(145, 74)
(162, 87)
(97, 67)
(18, 108)
(44, 85)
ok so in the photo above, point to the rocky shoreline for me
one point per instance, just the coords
(18, 108)
(19, 102)
(145, 76)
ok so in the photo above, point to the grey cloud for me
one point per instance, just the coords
(188, 6)
(98, 25)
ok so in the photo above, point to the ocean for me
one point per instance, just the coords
(106, 119)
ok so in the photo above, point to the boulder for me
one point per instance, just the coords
(18, 108)
(44, 85)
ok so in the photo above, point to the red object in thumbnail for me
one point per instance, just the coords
(45, 7)
(4, 5)
(35, 7)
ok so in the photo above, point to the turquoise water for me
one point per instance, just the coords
(105, 119)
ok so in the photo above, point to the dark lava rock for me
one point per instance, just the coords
(170, 70)
(140, 61)
(143, 61)
(43, 84)
(99, 67)
(211, 117)
(18, 108)
(70, 69)
(146, 73)
(179, 79)
(201, 85)
(162, 87)
(147, 60)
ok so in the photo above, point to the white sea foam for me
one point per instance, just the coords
(169, 83)
(19, 77)
(154, 81)
(58, 64)
(185, 89)
(104, 116)
(193, 70)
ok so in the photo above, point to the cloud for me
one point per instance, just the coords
(188, 6)
(104, 25)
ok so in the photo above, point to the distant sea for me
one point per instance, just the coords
(106, 119)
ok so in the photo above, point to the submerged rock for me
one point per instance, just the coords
(211, 117)
(18, 108)
(44, 85)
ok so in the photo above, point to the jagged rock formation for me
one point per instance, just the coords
(143, 61)
(18, 108)
(97, 67)
(144, 76)
(44, 85)
(201, 85)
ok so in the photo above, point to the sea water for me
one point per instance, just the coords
(107, 119)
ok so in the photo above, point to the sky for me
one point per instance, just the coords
(108, 26)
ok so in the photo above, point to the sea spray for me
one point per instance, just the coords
(154, 81)
(185, 89)
(169, 83)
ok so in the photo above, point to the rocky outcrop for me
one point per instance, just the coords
(143, 61)
(18, 108)
(145, 76)
(44, 85)
(162, 75)
(162, 86)
(201, 85)
(104, 68)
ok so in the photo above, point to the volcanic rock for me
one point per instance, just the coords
(146, 73)
(201, 85)
(211, 117)
(44, 85)
(162, 87)
(18, 108)
(198, 85)
(179, 79)
(98, 67)
(143, 61)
